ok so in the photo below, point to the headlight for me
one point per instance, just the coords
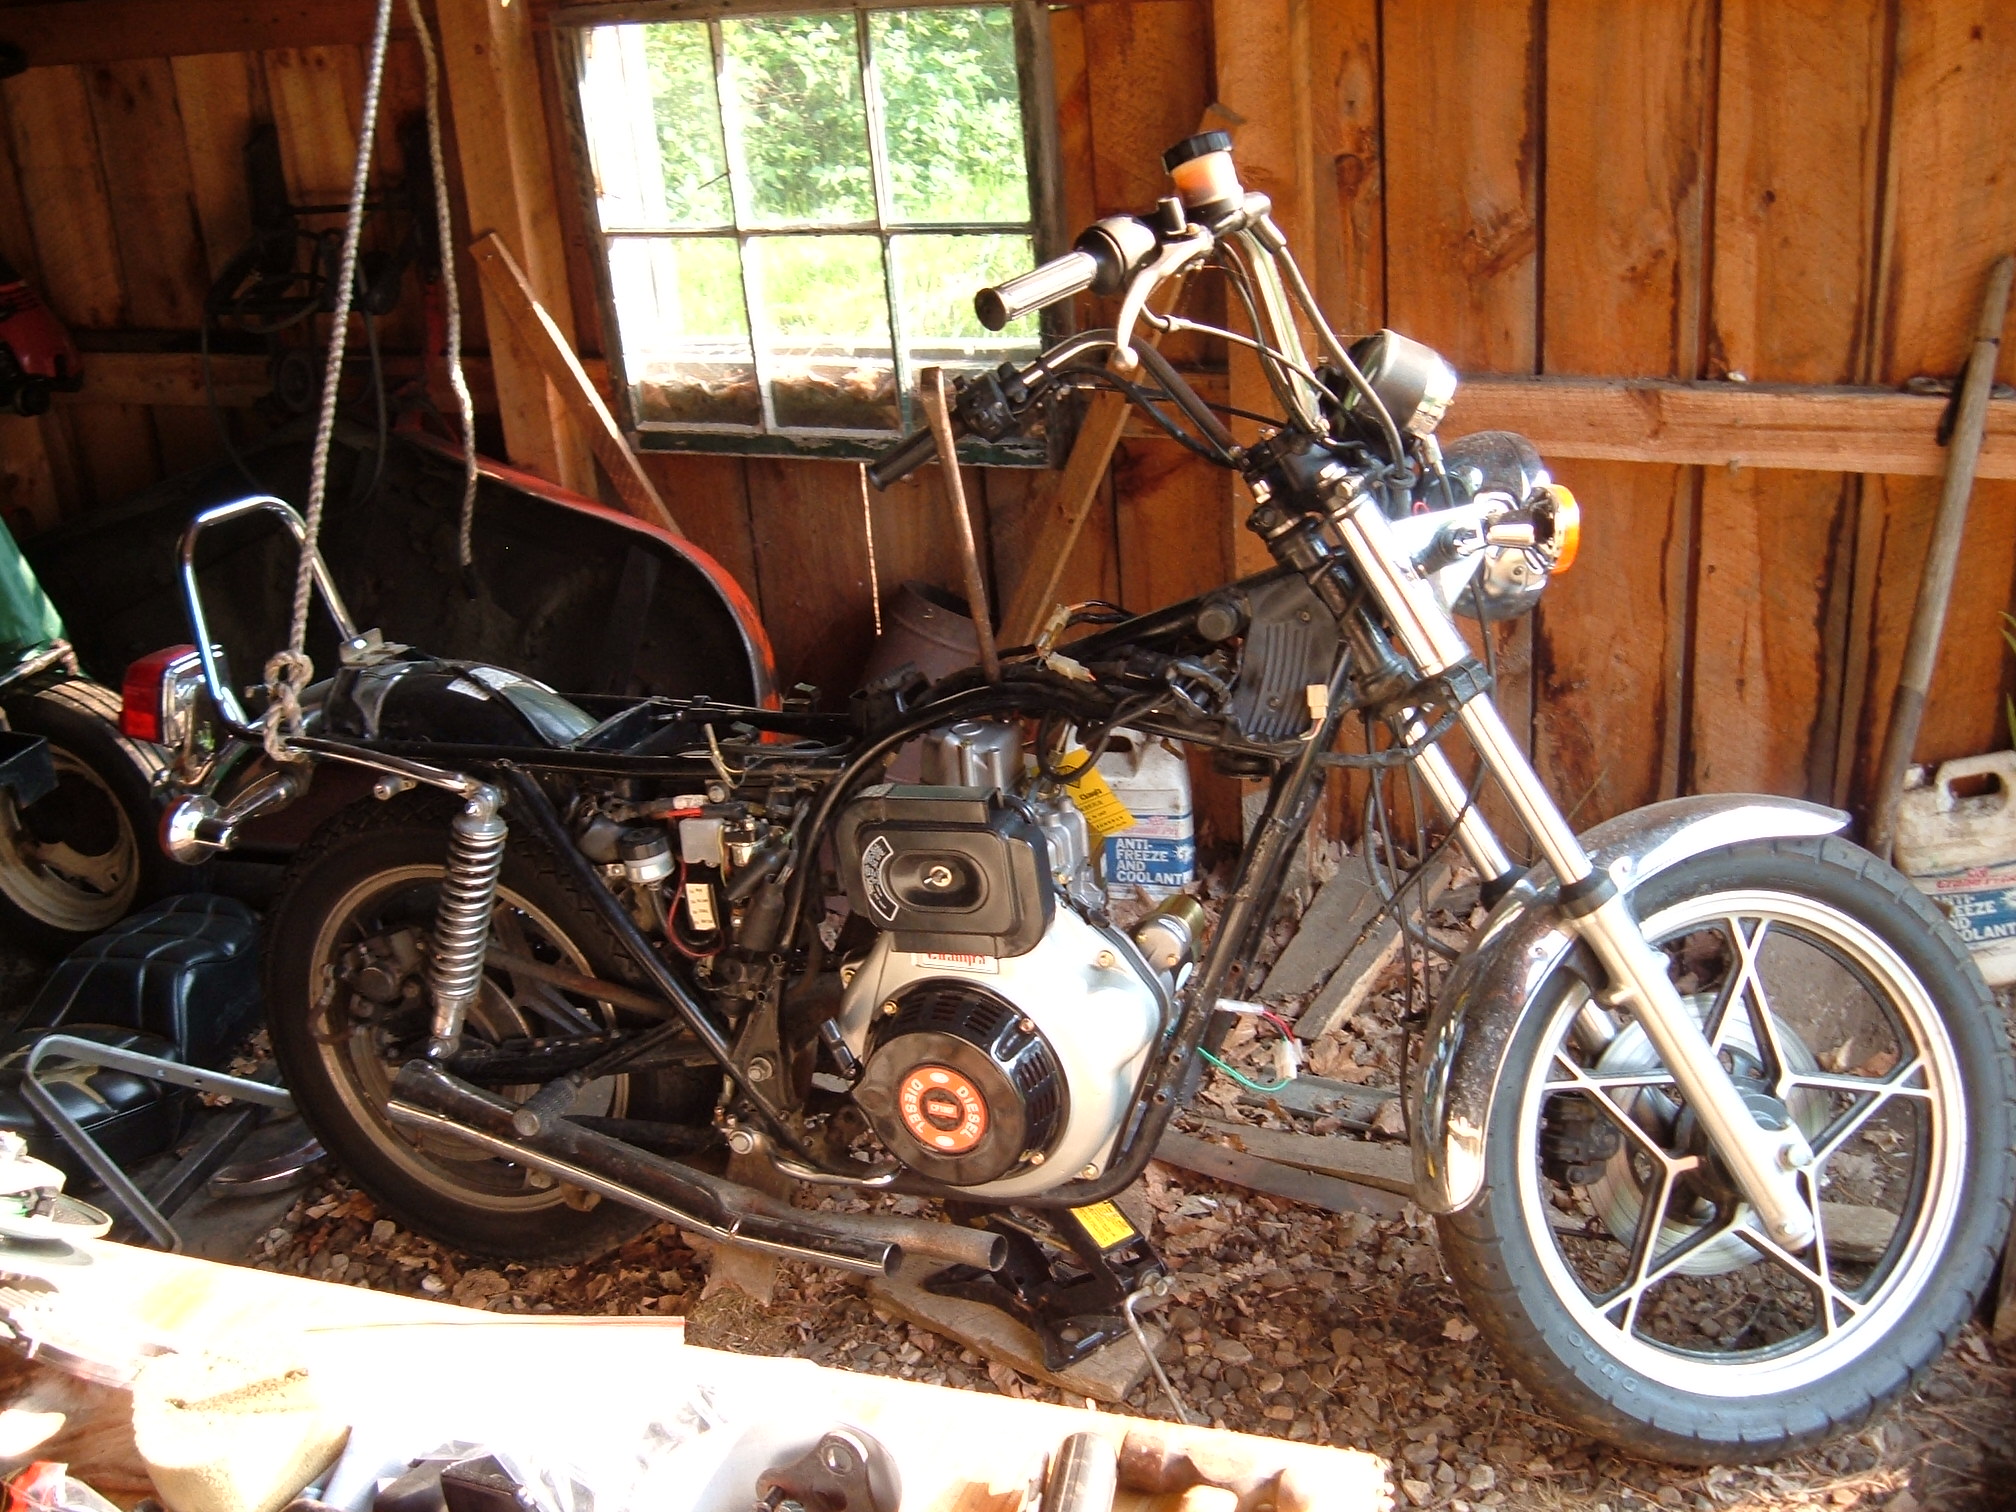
(1412, 380)
(1529, 543)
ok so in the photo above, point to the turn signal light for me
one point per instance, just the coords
(158, 692)
(1564, 539)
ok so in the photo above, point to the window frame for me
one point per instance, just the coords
(1037, 98)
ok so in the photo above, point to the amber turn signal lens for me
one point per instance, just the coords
(1565, 538)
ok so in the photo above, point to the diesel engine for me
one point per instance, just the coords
(1000, 1021)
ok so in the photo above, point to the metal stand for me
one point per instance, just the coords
(150, 1212)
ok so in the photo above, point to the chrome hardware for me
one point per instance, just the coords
(462, 919)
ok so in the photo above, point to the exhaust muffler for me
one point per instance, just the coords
(426, 1098)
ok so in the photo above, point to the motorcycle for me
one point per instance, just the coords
(1713, 1112)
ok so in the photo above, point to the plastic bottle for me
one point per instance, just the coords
(1157, 854)
(1960, 848)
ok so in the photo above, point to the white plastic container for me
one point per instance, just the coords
(1961, 851)
(1157, 855)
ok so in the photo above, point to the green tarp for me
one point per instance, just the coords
(28, 621)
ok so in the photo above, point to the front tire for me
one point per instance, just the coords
(1610, 1261)
(354, 914)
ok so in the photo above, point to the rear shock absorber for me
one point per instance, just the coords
(462, 919)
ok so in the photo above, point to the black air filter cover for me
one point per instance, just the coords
(947, 869)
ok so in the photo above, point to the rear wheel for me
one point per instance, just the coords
(1610, 1259)
(347, 1007)
(79, 859)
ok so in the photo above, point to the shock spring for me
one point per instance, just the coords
(462, 919)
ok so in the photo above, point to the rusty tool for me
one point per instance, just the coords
(931, 394)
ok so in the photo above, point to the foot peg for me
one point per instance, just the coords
(537, 1113)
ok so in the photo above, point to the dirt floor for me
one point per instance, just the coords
(1285, 1320)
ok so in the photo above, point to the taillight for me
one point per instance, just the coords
(158, 694)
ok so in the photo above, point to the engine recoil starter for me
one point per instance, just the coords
(959, 1085)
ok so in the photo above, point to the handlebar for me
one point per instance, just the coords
(1059, 278)
(907, 455)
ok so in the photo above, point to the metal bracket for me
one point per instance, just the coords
(153, 1068)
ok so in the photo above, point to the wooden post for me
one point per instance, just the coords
(507, 183)
(505, 283)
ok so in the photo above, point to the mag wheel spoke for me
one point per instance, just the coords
(1647, 1241)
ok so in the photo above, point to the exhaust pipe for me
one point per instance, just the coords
(424, 1097)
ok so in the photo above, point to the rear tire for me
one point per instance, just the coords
(81, 858)
(1619, 1275)
(369, 876)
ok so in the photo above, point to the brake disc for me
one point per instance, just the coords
(1618, 1196)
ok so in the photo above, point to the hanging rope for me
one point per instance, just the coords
(288, 672)
(451, 292)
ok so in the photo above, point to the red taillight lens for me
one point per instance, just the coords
(140, 696)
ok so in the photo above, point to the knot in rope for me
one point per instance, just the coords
(287, 673)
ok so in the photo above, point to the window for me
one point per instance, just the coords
(796, 211)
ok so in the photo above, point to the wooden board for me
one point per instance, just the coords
(1626, 122)
(958, 1451)
(1222, 1163)
(1347, 179)
(812, 568)
(150, 193)
(213, 94)
(106, 31)
(1386, 1167)
(505, 285)
(56, 156)
(1950, 214)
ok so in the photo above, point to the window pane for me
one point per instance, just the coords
(797, 84)
(654, 134)
(685, 329)
(825, 331)
(936, 277)
(952, 114)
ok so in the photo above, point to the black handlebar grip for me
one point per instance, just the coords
(1059, 278)
(905, 457)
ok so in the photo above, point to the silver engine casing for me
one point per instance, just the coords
(1101, 1021)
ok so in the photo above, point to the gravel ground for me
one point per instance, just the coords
(1285, 1320)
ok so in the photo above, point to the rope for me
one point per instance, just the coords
(288, 672)
(451, 293)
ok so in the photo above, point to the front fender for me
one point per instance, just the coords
(1495, 984)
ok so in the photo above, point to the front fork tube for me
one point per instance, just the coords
(1764, 1163)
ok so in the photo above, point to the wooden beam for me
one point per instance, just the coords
(1813, 429)
(1222, 1163)
(110, 31)
(501, 139)
(175, 379)
(505, 283)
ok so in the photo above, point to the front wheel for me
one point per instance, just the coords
(1611, 1261)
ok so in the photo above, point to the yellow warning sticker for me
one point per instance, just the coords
(1104, 1224)
(1095, 797)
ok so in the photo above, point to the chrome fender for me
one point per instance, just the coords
(1492, 988)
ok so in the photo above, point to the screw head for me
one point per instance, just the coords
(760, 1069)
(889, 1009)
(1106, 960)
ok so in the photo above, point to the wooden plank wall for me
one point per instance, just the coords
(1803, 191)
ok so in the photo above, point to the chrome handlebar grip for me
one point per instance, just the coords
(1059, 278)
